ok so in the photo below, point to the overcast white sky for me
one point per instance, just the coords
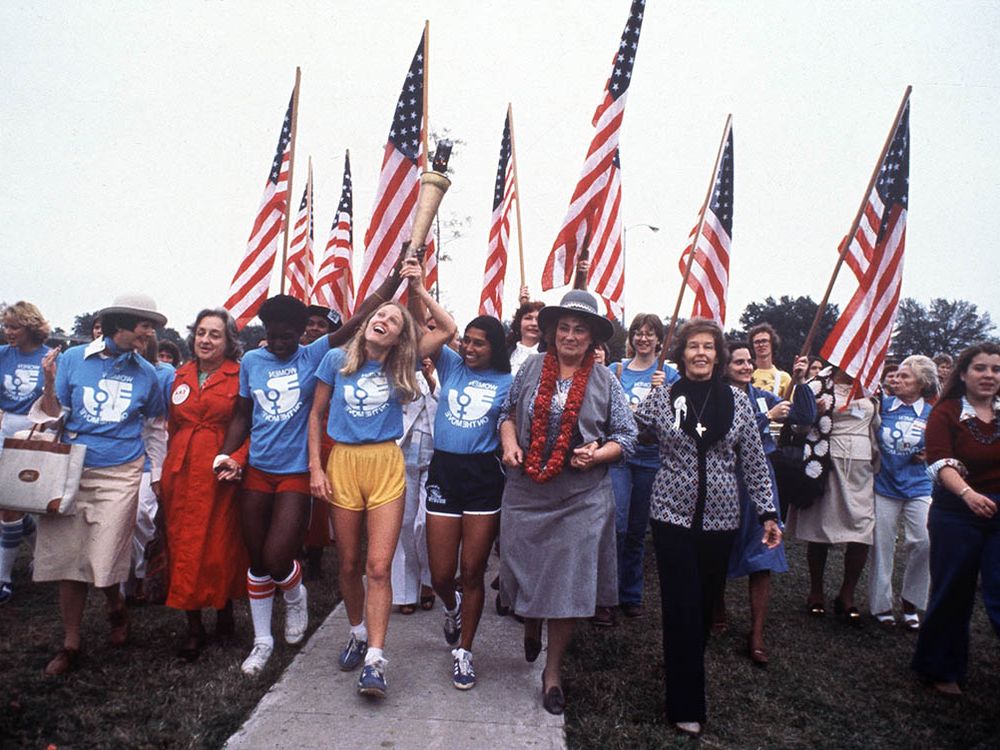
(136, 136)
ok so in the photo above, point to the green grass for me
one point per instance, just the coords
(139, 696)
(827, 686)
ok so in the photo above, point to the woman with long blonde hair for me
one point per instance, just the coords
(364, 385)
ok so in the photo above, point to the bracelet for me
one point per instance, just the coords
(380, 297)
(964, 490)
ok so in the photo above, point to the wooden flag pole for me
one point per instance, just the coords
(694, 244)
(291, 167)
(854, 227)
(580, 279)
(517, 194)
(309, 213)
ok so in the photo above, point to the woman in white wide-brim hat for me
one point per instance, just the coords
(563, 422)
(104, 391)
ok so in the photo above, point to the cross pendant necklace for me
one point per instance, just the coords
(699, 427)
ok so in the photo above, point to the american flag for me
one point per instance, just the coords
(398, 185)
(709, 278)
(335, 280)
(252, 280)
(299, 268)
(594, 219)
(491, 301)
(860, 339)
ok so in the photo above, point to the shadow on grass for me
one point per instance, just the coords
(139, 696)
(827, 686)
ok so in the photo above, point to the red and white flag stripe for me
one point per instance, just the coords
(299, 270)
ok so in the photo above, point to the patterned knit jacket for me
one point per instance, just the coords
(683, 471)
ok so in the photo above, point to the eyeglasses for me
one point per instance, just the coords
(641, 335)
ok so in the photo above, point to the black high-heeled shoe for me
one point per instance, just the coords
(553, 699)
(849, 615)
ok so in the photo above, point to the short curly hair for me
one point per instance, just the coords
(692, 328)
(29, 317)
(284, 308)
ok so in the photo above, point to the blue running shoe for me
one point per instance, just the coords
(6, 592)
(453, 622)
(372, 680)
(463, 674)
(353, 654)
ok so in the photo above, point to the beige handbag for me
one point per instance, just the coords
(39, 474)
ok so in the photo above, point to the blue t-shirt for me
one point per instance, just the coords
(900, 436)
(107, 398)
(282, 394)
(470, 402)
(21, 378)
(638, 384)
(364, 407)
(165, 374)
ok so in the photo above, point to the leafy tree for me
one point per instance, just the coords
(791, 318)
(250, 336)
(946, 326)
(83, 323)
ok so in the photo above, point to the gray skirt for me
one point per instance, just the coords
(558, 557)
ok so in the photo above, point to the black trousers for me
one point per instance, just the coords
(692, 567)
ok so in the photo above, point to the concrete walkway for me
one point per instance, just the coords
(315, 705)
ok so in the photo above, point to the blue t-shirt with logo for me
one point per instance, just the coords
(469, 405)
(108, 399)
(21, 378)
(899, 437)
(282, 394)
(364, 407)
(638, 384)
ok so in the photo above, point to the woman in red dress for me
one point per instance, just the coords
(207, 556)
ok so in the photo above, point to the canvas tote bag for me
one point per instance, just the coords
(39, 474)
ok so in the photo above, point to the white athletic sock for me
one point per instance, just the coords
(292, 587)
(375, 655)
(261, 593)
(10, 541)
(360, 631)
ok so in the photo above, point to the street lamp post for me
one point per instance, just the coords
(651, 228)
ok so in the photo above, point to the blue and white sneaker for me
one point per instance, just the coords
(6, 592)
(353, 654)
(463, 674)
(453, 622)
(372, 680)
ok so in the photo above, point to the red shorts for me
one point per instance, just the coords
(266, 482)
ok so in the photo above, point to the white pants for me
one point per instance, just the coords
(410, 569)
(144, 525)
(916, 548)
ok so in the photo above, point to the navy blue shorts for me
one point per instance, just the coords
(460, 483)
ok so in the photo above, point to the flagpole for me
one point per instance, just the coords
(309, 249)
(427, 61)
(854, 226)
(517, 192)
(291, 167)
(694, 242)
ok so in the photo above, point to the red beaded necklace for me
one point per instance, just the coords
(539, 424)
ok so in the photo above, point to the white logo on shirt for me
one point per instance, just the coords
(369, 397)
(469, 408)
(109, 402)
(22, 382)
(902, 438)
(639, 392)
(280, 398)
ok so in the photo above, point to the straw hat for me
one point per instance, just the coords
(582, 304)
(141, 305)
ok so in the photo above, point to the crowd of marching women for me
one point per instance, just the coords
(420, 460)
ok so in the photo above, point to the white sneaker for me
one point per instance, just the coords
(296, 619)
(254, 664)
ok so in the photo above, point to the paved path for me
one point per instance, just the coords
(315, 705)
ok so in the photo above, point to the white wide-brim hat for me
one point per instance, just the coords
(141, 305)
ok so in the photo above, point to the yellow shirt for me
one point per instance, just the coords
(773, 380)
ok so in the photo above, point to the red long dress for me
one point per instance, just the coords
(207, 557)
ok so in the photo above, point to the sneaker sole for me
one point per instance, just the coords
(372, 692)
(464, 686)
